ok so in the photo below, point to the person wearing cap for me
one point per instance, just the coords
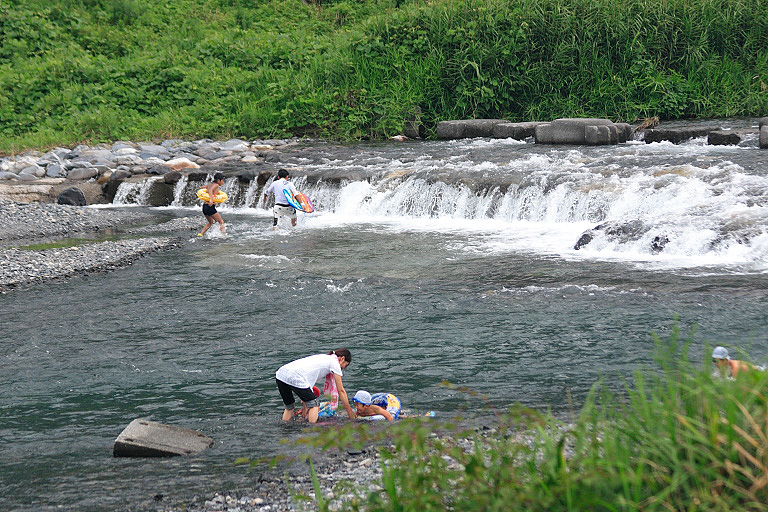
(282, 207)
(724, 363)
(373, 406)
(299, 377)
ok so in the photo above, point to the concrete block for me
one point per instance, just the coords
(598, 135)
(764, 136)
(519, 131)
(624, 131)
(677, 135)
(727, 137)
(568, 130)
(144, 438)
(467, 128)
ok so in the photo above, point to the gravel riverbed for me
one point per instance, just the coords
(22, 224)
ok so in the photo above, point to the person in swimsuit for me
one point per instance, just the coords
(725, 364)
(282, 208)
(378, 406)
(209, 208)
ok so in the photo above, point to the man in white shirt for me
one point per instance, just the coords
(282, 207)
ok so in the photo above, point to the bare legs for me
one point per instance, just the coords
(214, 218)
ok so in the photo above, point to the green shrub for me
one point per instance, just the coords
(678, 438)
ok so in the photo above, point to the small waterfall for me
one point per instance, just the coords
(253, 195)
(178, 191)
(231, 187)
(134, 192)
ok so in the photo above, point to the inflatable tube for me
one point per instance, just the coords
(202, 194)
(299, 201)
(306, 204)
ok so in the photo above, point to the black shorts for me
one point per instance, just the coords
(305, 395)
(208, 210)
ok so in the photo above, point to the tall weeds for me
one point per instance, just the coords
(352, 70)
(678, 438)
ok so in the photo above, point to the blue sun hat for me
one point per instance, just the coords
(720, 353)
(362, 397)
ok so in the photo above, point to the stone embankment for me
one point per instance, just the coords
(95, 172)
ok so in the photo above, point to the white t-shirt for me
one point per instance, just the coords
(278, 188)
(303, 373)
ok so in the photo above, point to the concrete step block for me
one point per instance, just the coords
(518, 131)
(144, 438)
(677, 135)
(729, 137)
(467, 128)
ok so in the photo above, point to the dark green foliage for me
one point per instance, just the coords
(352, 69)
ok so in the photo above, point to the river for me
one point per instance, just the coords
(430, 261)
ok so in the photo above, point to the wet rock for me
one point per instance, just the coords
(414, 128)
(197, 176)
(729, 137)
(764, 136)
(677, 135)
(72, 196)
(172, 177)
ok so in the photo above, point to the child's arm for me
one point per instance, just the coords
(380, 410)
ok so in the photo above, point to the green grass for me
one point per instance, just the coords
(102, 70)
(678, 438)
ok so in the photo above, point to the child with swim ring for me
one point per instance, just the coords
(378, 406)
(209, 208)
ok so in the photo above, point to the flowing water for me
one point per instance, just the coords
(431, 261)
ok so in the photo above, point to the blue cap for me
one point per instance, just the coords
(362, 397)
(720, 353)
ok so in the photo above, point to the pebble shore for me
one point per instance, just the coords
(343, 477)
(23, 224)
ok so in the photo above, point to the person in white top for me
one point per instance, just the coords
(298, 377)
(282, 207)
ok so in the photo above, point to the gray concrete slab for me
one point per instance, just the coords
(144, 438)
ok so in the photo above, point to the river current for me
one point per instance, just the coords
(430, 261)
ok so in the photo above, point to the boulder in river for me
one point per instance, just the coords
(144, 438)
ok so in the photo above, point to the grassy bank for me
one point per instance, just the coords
(679, 438)
(100, 70)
